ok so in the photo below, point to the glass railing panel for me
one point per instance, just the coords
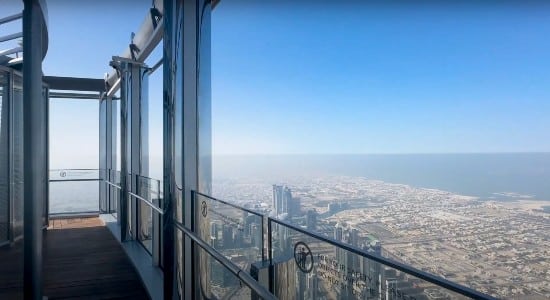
(113, 190)
(235, 232)
(74, 191)
(74, 197)
(217, 282)
(145, 224)
(309, 267)
(149, 197)
(217, 276)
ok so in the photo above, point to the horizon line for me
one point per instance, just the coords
(378, 153)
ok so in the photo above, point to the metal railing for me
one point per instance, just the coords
(268, 246)
(387, 262)
(254, 285)
(407, 269)
(196, 195)
(70, 182)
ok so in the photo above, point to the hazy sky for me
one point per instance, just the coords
(343, 78)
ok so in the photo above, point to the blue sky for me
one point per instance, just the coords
(340, 78)
(380, 78)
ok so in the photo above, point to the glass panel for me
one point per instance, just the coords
(222, 284)
(4, 158)
(17, 191)
(74, 197)
(76, 191)
(145, 223)
(114, 177)
(149, 189)
(11, 255)
(235, 232)
(309, 268)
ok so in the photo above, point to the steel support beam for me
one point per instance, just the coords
(35, 145)
(75, 84)
(168, 237)
(11, 18)
(134, 140)
(10, 37)
(145, 40)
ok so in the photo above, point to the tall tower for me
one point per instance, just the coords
(277, 199)
(311, 220)
(287, 202)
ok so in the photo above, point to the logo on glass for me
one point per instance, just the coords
(204, 209)
(303, 257)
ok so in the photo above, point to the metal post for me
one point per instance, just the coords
(103, 166)
(270, 254)
(187, 131)
(47, 160)
(35, 143)
(11, 133)
(168, 245)
(122, 206)
(157, 227)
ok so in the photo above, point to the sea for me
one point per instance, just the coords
(497, 176)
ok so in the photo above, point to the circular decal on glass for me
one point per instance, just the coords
(303, 257)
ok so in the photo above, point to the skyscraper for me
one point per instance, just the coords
(311, 220)
(277, 199)
(283, 203)
(287, 202)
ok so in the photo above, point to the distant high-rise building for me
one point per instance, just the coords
(295, 207)
(311, 220)
(371, 268)
(214, 241)
(283, 203)
(312, 286)
(227, 236)
(287, 202)
(277, 199)
(256, 236)
(345, 258)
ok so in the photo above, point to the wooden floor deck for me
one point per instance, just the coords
(82, 260)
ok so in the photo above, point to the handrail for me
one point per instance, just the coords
(261, 291)
(112, 184)
(455, 287)
(71, 180)
(75, 170)
(230, 204)
(153, 206)
(150, 178)
(194, 197)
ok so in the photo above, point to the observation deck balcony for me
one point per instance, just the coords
(81, 259)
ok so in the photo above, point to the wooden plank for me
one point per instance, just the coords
(81, 260)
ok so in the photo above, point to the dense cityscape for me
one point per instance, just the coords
(496, 247)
